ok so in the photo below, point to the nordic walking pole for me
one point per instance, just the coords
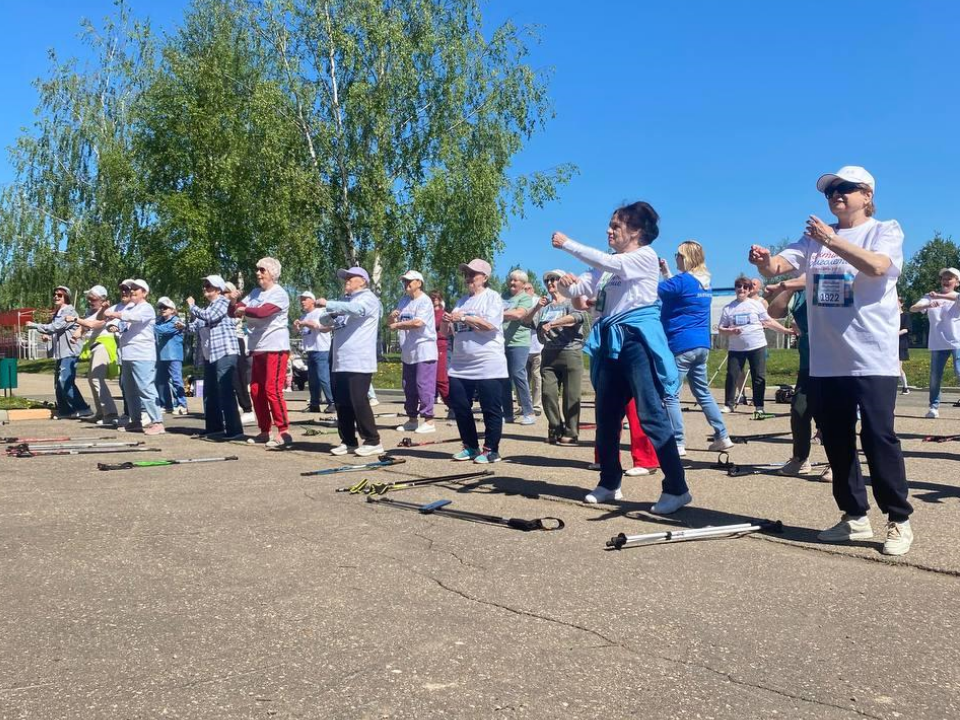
(439, 507)
(746, 379)
(28, 453)
(719, 368)
(162, 463)
(384, 488)
(384, 461)
(77, 445)
(621, 541)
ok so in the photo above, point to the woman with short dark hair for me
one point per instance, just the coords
(629, 352)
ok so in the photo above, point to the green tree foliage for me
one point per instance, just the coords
(922, 273)
(224, 171)
(411, 117)
(325, 133)
(73, 214)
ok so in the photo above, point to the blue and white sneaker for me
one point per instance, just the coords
(487, 457)
(467, 454)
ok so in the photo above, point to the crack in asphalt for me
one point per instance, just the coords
(430, 547)
(610, 642)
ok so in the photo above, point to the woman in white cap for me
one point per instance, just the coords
(851, 270)
(414, 319)
(628, 349)
(218, 339)
(266, 311)
(316, 348)
(169, 333)
(138, 353)
(355, 320)
(943, 312)
(478, 365)
(101, 347)
(560, 328)
(66, 352)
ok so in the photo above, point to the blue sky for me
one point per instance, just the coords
(722, 115)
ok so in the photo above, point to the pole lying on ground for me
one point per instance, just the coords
(439, 506)
(28, 453)
(744, 439)
(621, 541)
(73, 445)
(369, 488)
(941, 438)
(310, 432)
(734, 470)
(162, 463)
(409, 442)
(383, 461)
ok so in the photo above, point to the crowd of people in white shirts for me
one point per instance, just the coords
(644, 329)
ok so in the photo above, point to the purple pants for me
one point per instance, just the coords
(419, 388)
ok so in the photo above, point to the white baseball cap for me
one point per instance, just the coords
(478, 266)
(849, 173)
(166, 302)
(308, 294)
(99, 290)
(128, 282)
(215, 281)
(140, 283)
(412, 275)
(952, 271)
(553, 274)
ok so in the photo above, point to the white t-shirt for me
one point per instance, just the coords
(747, 314)
(137, 341)
(418, 345)
(944, 317)
(268, 334)
(479, 354)
(619, 282)
(355, 332)
(314, 340)
(854, 318)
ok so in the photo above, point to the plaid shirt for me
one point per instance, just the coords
(218, 334)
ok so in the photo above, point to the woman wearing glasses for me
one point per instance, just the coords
(685, 314)
(66, 352)
(101, 347)
(743, 322)
(560, 328)
(851, 270)
(266, 311)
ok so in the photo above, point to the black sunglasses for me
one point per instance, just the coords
(743, 287)
(56, 295)
(844, 188)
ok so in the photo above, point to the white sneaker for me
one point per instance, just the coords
(795, 466)
(180, 410)
(602, 495)
(408, 426)
(726, 409)
(720, 444)
(637, 471)
(899, 538)
(427, 427)
(932, 414)
(365, 450)
(669, 504)
(681, 450)
(849, 528)
(374, 402)
(528, 420)
(343, 449)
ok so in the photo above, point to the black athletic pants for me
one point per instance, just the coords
(353, 408)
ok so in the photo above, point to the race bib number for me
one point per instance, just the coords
(741, 319)
(405, 316)
(833, 290)
(461, 326)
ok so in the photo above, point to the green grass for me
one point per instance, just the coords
(19, 403)
(781, 369)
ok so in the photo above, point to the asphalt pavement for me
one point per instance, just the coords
(244, 590)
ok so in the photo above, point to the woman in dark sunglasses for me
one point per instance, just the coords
(852, 267)
(66, 351)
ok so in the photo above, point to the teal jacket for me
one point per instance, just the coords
(606, 341)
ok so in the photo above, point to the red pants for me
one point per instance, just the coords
(641, 449)
(443, 382)
(267, 378)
